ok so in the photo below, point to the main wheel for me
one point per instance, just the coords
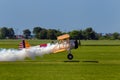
(70, 56)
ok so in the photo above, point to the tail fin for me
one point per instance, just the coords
(24, 44)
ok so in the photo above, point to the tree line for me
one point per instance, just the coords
(42, 33)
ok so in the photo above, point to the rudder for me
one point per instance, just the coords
(24, 44)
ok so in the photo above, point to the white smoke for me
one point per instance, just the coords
(14, 54)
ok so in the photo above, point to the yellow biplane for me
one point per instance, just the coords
(63, 44)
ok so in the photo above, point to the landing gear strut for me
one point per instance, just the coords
(70, 56)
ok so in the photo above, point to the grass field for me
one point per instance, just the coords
(98, 60)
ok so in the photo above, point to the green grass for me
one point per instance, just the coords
(53, 67)
(58, 70)
(101, 42)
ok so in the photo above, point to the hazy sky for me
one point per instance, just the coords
(65, 15)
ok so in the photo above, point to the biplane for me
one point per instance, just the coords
(63, 44)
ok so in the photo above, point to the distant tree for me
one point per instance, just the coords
(11, 33)
(90, 33)
(42, 34)
(4, 33)
(81, 35)
(57, 32)
(84, 35)
(116, 35)
(100, 36)
(75, 34)
(51, 34)
(37, 31)
(27, 33)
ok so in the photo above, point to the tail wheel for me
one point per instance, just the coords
(70, 56)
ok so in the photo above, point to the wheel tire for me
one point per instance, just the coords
(70, 56)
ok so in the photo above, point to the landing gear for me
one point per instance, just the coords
(70, 56)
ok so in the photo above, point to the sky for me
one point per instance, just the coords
(64, 15)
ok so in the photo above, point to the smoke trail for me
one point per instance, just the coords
(14, 54)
